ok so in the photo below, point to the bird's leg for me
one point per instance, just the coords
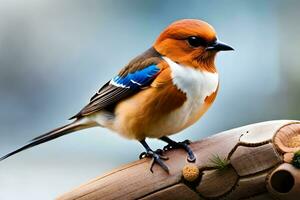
(179, 145)
(155, 155)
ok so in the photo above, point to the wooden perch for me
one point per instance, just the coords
(258, 162)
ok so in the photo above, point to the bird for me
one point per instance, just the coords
(157, 94)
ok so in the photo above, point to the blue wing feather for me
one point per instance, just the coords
(137, 79)
(139, 73)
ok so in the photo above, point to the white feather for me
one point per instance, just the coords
(193, 82)
(113, 82)
(197, 85)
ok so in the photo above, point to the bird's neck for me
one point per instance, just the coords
(206, 62)
(205, 65)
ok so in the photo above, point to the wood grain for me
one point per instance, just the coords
(250, 160)
(182, 193)
(249, 186)
(216, 182)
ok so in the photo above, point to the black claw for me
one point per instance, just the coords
(167, 147)
(163, 157)
(142, 155)
(191, 157)
(151, 165)
(180, 145)
(157, 157)
(185, 145)
(188, 142)
(159, 151)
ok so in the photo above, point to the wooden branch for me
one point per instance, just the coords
(257, 161)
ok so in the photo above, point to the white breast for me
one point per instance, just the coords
(196, 84)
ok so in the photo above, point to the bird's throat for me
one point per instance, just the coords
(206, 62)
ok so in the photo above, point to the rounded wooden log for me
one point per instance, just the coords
(259, 162)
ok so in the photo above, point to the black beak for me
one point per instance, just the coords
(219, 46)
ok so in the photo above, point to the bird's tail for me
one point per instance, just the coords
(69, 128)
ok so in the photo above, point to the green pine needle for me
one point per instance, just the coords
(218, 162)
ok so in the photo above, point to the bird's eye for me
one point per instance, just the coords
(196, 41)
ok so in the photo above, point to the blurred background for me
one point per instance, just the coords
(54, 55)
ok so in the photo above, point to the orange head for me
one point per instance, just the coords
(190, 42)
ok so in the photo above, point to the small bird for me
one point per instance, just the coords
(159, 93)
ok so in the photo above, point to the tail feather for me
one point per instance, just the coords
(69, 128)
(51, 132)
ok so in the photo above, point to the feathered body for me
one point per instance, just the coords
(159, 93)
(177, 98)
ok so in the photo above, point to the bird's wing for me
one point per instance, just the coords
(138, 74)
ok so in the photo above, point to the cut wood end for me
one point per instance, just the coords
(294, 141)
(287, 138)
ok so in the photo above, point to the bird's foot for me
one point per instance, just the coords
(157, 157)
(182, 145)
